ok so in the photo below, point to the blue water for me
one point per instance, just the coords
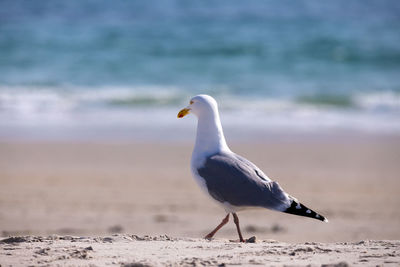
(62, 60)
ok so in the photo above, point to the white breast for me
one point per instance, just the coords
(196, 163)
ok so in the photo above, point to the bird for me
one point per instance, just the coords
(231, 180)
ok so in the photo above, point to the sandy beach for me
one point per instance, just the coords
(140, 251)
(145, 189)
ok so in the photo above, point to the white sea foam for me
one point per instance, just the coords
(379, 101)
(152, 110)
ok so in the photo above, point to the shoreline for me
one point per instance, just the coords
(184, 135)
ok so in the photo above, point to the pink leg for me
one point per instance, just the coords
(224, 221)
(236, 220)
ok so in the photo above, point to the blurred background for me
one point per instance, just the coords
(303, 65)
(90, 90)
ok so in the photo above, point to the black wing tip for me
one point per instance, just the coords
(299, 209)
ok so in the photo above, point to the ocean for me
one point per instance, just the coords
(123, 69)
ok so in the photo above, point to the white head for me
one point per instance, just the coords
(200, 105)
(210, 137)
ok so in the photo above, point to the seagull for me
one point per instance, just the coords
(231, 180)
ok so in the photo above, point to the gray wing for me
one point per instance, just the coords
(233, 179)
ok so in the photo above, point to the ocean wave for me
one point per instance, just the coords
(154, 108)
(46, 99)
(389, 101)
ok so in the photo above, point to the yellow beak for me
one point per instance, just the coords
(183, 112)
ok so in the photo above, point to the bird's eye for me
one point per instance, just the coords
(191, 102)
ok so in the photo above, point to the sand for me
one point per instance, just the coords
(132, 250)
(94, 190)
